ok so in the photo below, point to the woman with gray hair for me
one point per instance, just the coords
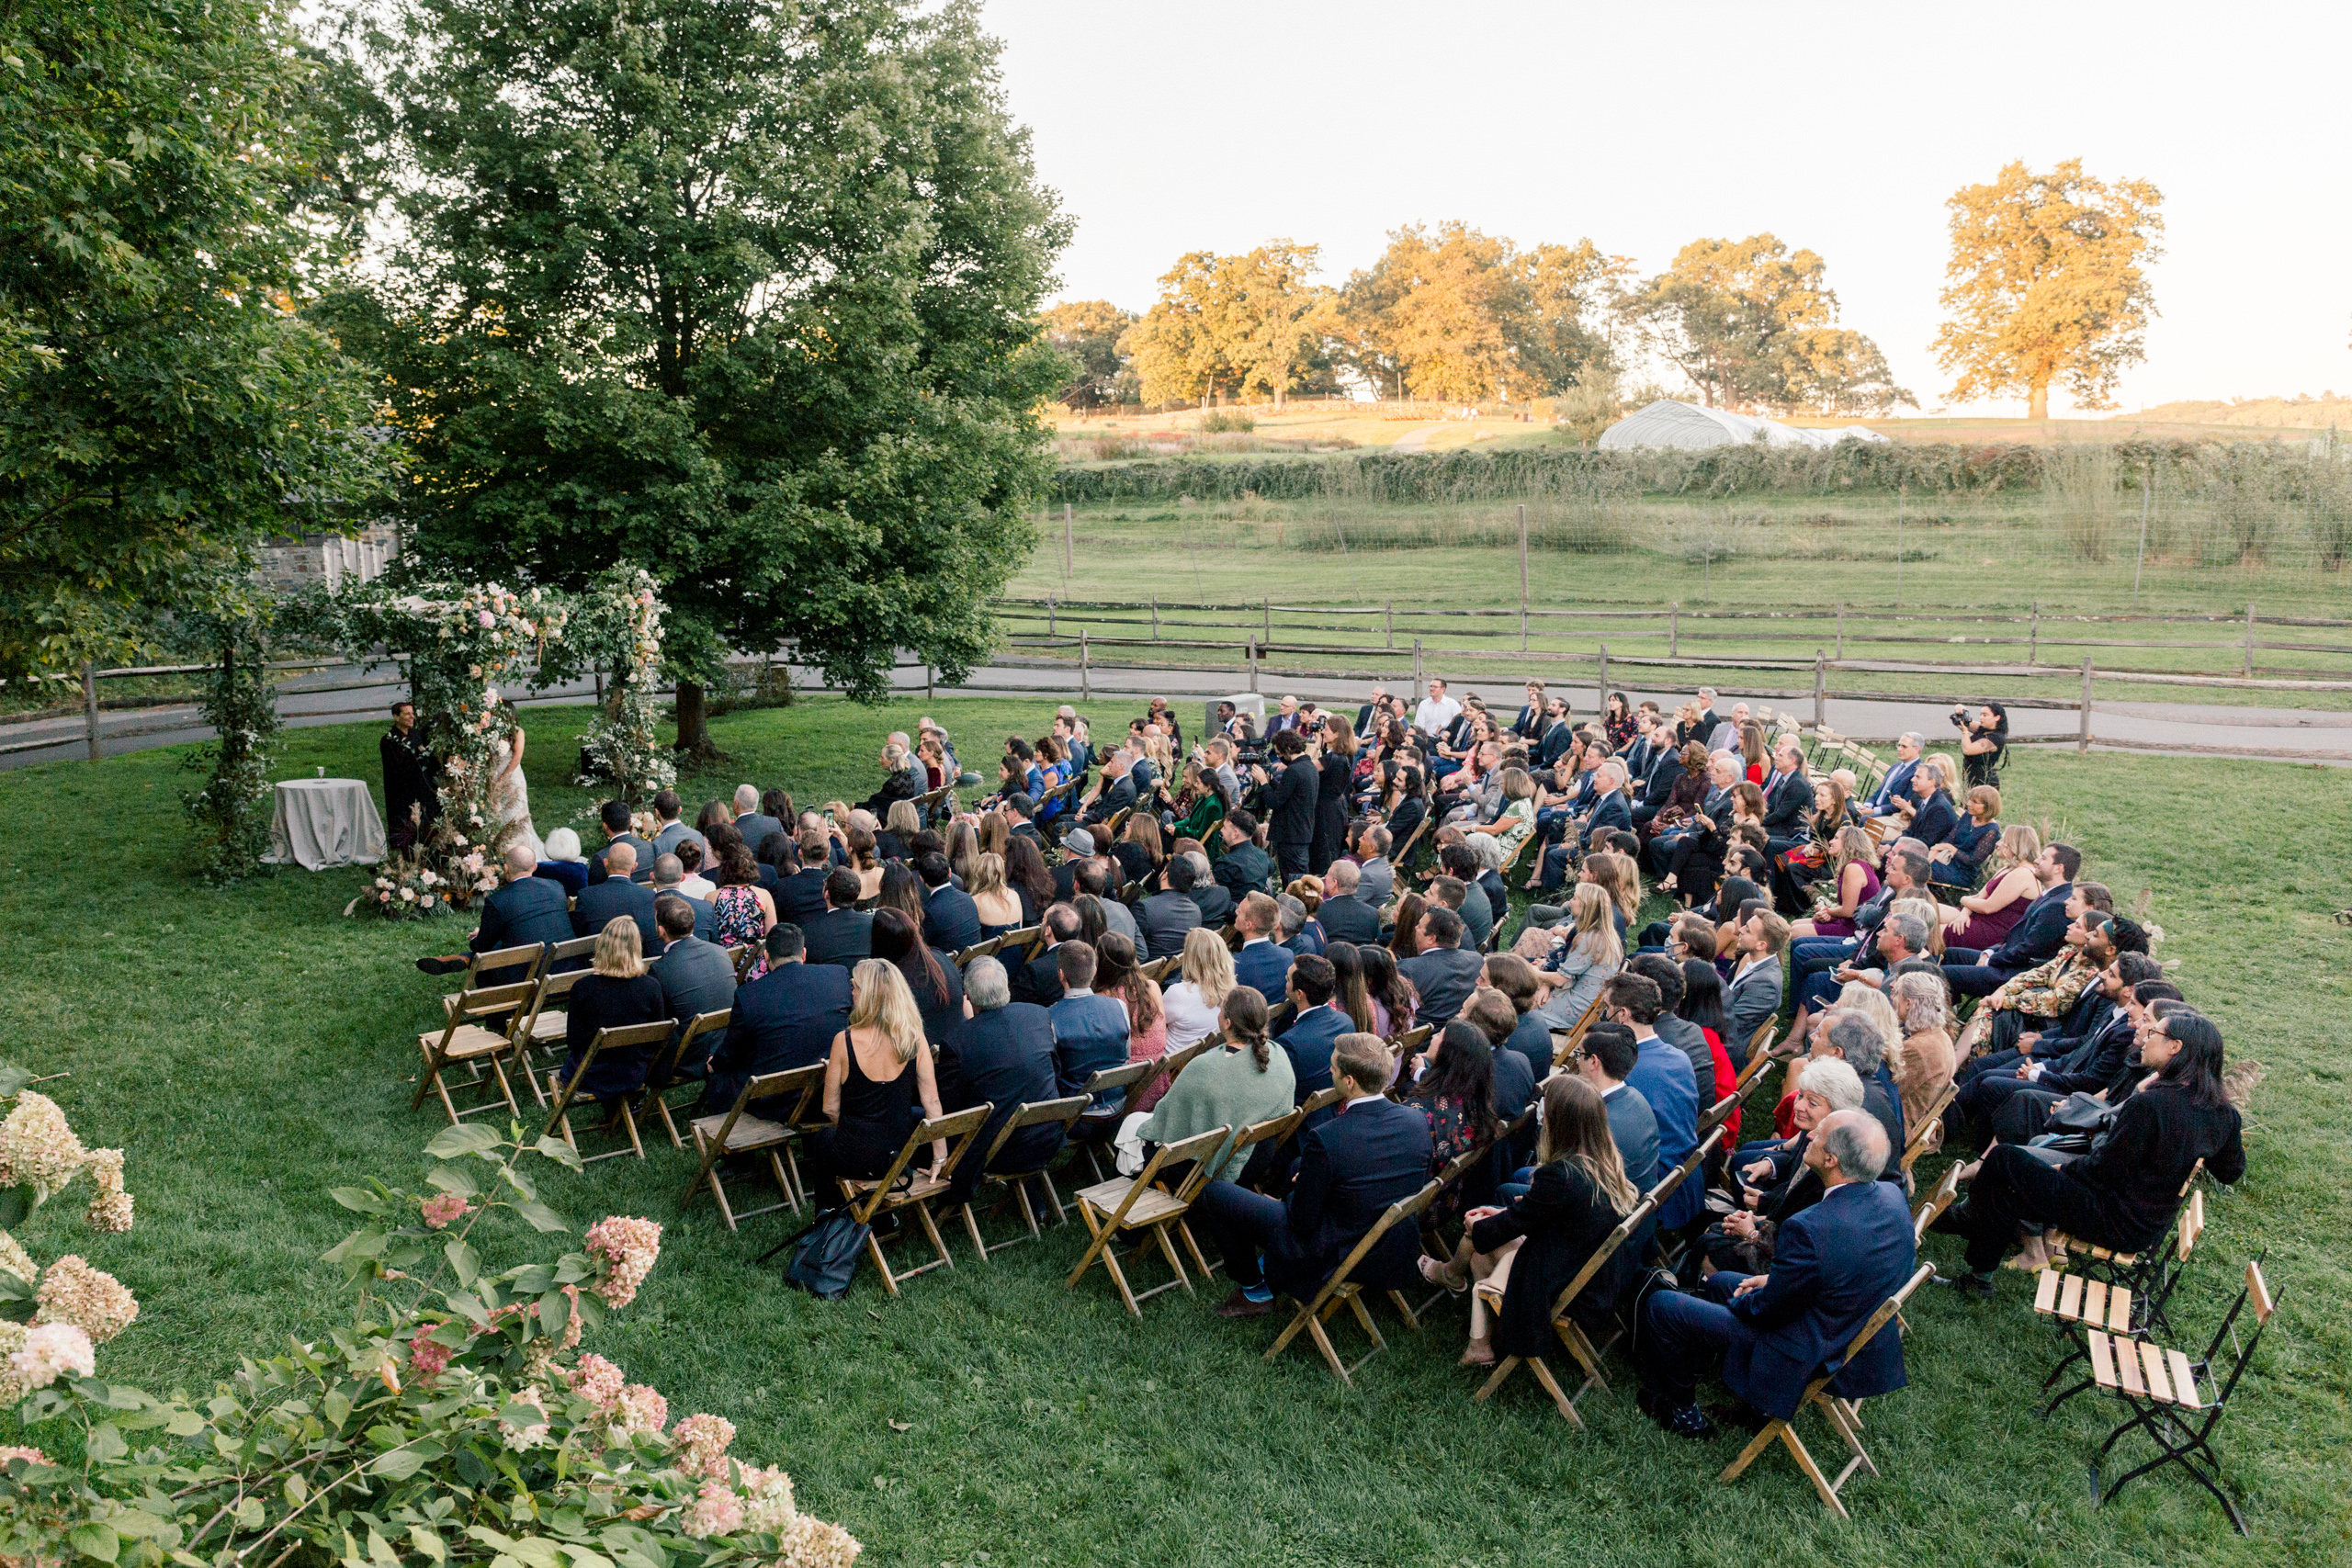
(1923, 1006)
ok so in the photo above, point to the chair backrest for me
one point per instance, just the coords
(1036, 1113)
(553, 987)
(468, 1006)
(1675, 1177)
(1126, 1076)
(1947, 1191)
(2192, 1225)
(744, 957)
(627, 1037)
(2257, 1290)
(956, 1130)
(1321, 1100)
(702, 1023)
(530, 952)
(1274, 1128)
(1412, 1040)
(1171, 1066)
(1923, 1126)
(1719, 1112)
(1761, 1042)
(1876, 1321)
(577, 947)
(1560, 1047)
(1025, 939)
(987, 949)
(1402, 1209)
(1636, 1217)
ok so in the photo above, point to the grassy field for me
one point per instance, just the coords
(250, 1050)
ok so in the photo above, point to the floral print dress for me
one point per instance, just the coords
(1453, 1134)
(740, 920)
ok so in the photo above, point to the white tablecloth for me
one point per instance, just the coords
(320, 823)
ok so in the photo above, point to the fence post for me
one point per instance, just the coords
(1523, 577)
(1085, 672)
(927, 678)
(1674, 630)
(1820, 687)
(1053, 625)
(1601, 700)
(2249, 639)
(1416, 661)
(2033, 638)
(2147, 495)
(1253, 664)
(1841, 629)
(90, 707)
(1388, 624)
(1067, 569)
(2083, 733)
(1266, 622)
(1155, 617)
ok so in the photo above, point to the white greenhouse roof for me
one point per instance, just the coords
(1671, 424)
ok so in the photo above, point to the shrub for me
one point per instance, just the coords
(1222, 423)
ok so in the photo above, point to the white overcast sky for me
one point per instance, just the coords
(1217, 125)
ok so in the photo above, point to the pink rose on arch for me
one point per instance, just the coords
(486, 619)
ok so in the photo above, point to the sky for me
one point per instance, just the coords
(1841, 129)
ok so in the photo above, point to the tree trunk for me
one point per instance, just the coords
(693, 721)
(2037, 402)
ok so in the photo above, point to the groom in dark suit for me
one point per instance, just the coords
(1370, 1153)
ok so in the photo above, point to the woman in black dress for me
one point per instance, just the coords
(1337, 778)
(1984, 741)
(617, 991)
(880, 1070)
(1532, 1250)
(930, 976)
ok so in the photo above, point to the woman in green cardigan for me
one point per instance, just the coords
(1246, 1081)
(1202, 788)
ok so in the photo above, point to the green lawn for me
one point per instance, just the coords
(251, 1049)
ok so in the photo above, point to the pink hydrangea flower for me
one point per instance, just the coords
(444, 1209)
(30, 1456)
(427, 1358)
(643, 1410)
(627, 1248)
(486, 619)
(598, 1381)
(702, 1445)
(715, 1511)
(90, 1299)
(51, 1352)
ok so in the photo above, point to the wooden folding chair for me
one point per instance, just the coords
(1403, 1045)
(1946, 1193)
(1715, 1115)
(531, 957)
(1572, 1334)
(1232, 1165)
(2149, 1275)
(1171, 1064)
(1453, 1170)
(987, 949)
(1026, 941)
(1122, 1204)
(1036, 1113)
(741, 1130)
(744, 957)
(1757, 1062)
(1841, 1413)
(1159, 969)
(539, 1039)
(884, 1195)
(1339, 1291)
(1127, 1075)
(665, 1066)
(1680, 1174)
(1923, 1132)
(1564, 1041)
(464, 1041)
(2177, 1402)
(626, 1038)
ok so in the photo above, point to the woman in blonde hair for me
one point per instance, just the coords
(999, 906)
(1578, 965)
(901, 824)
(878, 1071)
(1985, 920)
(1929, 913)
(1193, 1003)
(1622, 880)
(1853, 877)
(616, 992)
(1524, 1256)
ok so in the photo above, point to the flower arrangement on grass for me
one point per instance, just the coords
(454, 1421)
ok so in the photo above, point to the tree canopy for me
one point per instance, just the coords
(743, 292)
(164, 407)
(1460, 315)
(1248, 323)
(1751, 324)
(2045, 285)
(1088, 333)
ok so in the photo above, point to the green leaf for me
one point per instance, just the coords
(532, 1279)
(13, 1289)
(337, 1406)
(468, 1307)
(453, 1178)
(555, 1311)
(95, 1540)
(359, 1198)
(399, 1465)
(185, 1423)
(13, 1079)
(429, 1542)
(541, 1218)
(466, 1138)
(250, 1514)
(462, 1259)
(556, 1149)
(522, 1186)
(15, 1202)
(105, 1446)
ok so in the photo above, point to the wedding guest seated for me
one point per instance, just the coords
(1243, 867)
(1851, 881)
(563, 863)
(786, 1018)
(669, 880)
(1770, 1181)
(1443, 971)
(879, 1085)
(800, 895)
(843, 934)
(670, 830)
(614, 815)
(2123, 1193)
(1985, 920)
(2037, 937)
(1959, 860)
(1242, 1082)
(1118, 975)
(1578, 965)
(525, 910)
(1089, 1031)
(1834, 1265)
(1350, 1170)
(2053, 1065)
(696, 976)
(2039, 996)
(616, 896)
(1002, 1054)
(1164, 918)
(1376, 879)
(1662, 1076)
(1923, 1008)
(1455, 1093)
(1711, 1074)
(951, 920)
(1315, 1025)
(615, 993)
(753, 818)
(1752, 997)
(1604, 1058)
(1261, 963)
(1513, 978)
(1299, 931)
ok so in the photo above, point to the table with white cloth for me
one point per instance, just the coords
(319, 823)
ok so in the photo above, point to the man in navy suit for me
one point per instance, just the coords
(786, 1018)
(1611, 813)
(1308, 1041)
(1788, 801)
(1089, 1031)
(1345, 915)
(2035, 939)
(669, 873)
(1661, 1074)
(800, 892)
(1262, 963)
(1002, 1056)
(528, 909)
(1443, 972)
(1933, 816)
(1833, 1266)
(1896, 784)
(1556, 737)
(1040, 979)
(614, 816)
(951, 921)
(1370, 1153)
(601, 903)
(843, 934)
(1605, 1056)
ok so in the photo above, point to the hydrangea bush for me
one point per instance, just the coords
(456, 1420)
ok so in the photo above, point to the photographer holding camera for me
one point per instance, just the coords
(1983, 742)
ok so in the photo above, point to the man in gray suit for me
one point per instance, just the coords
(1375, 878)
(696, 976)
(1346, 916)
(753, 824)
(1752, 996)
(1169, 916)
(672, 832)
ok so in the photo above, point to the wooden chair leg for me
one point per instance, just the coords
(1756, 1446)
(972, 1225)
(881, 1264)
(1803, 1457)
(1552, 1386)
(1496, 1378)
(1168, 1250)
(1119, 1278)
(1330, 1355)
(921, 1207)
(1094, 1248)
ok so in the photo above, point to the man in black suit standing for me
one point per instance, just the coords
(801, 894)
(600, 903)
(614, 815)
(1345, 916)
(786, 1018)
(1291, 804)
(951, 921)
(528, 909)
(844, 933)
(1371, 1153)
(1002, 1056)
(411, 802)
(1167, 917)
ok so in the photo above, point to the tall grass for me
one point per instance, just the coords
(2078, 492)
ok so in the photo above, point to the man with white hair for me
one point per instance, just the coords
(750, 820)
(1609, 813)
(526, 910)
(1833, 1266)
(1896, 784)
(1344, 916)
(902, 777)
(1002, 1056)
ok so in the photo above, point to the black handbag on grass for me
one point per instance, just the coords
(824, 1259)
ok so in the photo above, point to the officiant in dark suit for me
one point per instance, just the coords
(411, 802)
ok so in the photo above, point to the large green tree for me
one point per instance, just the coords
(164, 407)
(1089, 333)
(1251, 321)
(740, 290)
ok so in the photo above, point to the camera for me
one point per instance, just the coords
(1960, 717)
